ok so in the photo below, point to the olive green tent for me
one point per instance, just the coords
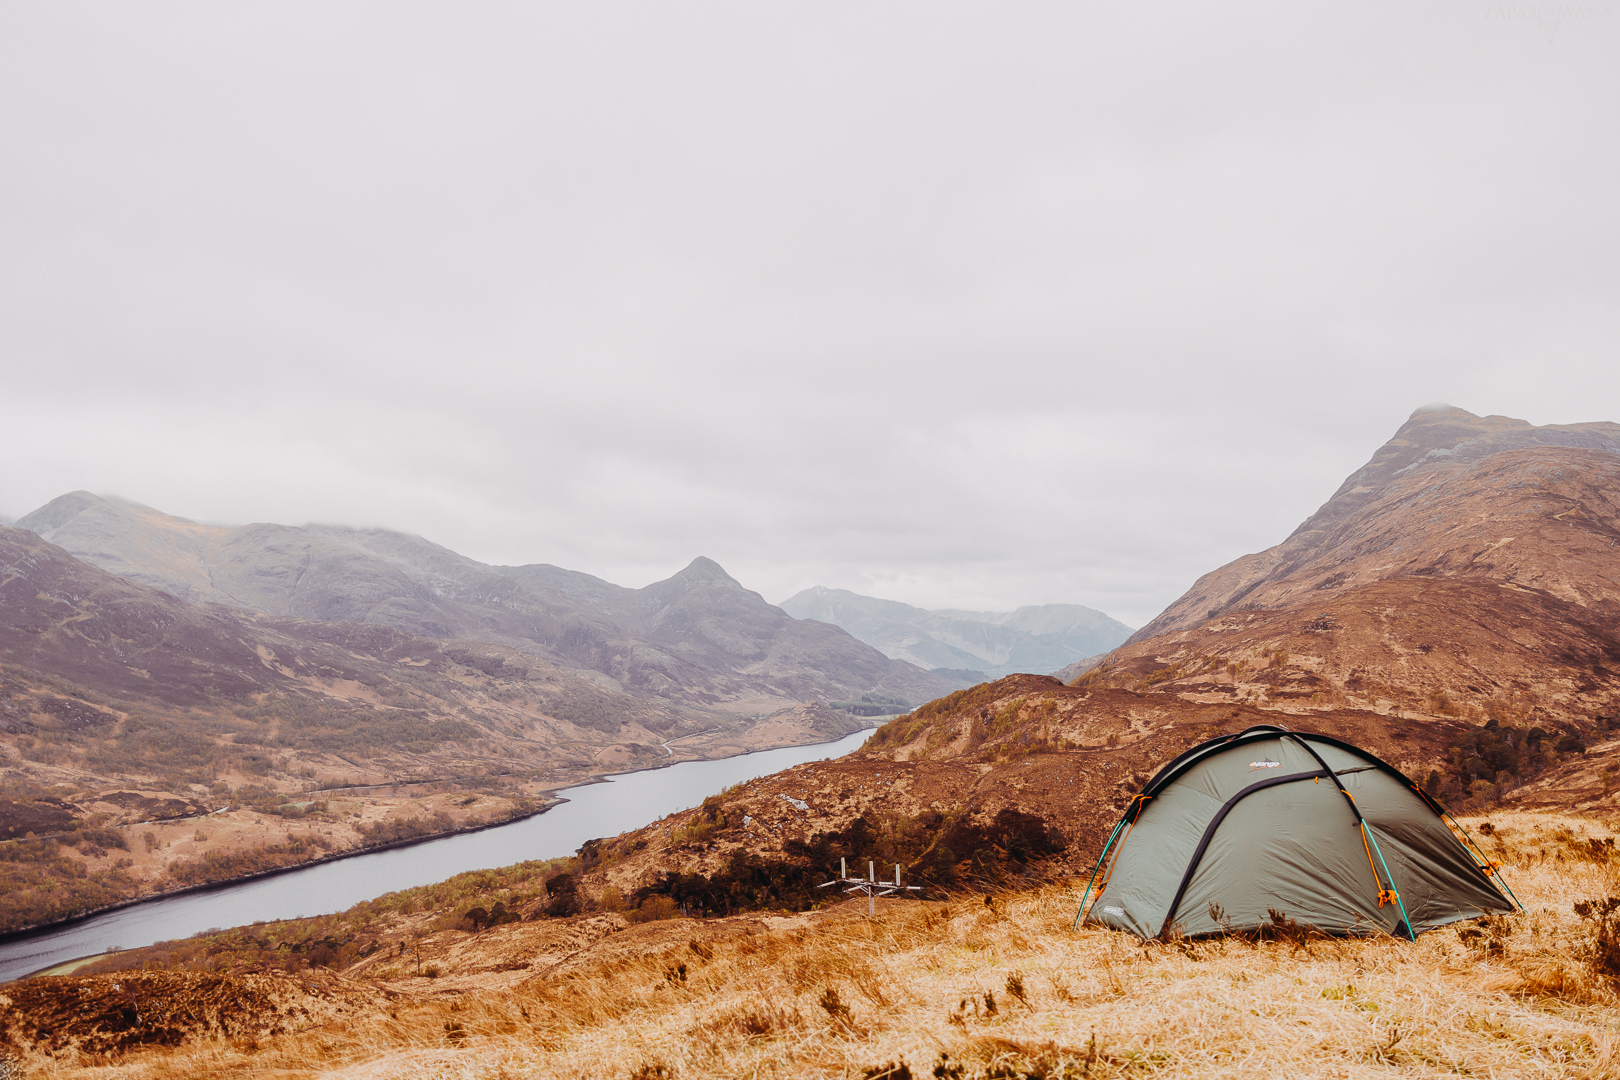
(1268, 822)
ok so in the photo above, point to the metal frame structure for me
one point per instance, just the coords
(870, 885)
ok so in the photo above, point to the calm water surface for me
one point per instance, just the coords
(626, 801)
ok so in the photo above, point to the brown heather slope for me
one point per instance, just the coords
(967, 987)
(1019, 779)
(121, 705)
(1469, 572)
(1450, 495)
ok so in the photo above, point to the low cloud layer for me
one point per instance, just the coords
(961, 306)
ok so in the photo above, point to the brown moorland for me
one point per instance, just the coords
(148, 744)
(1470, 571)
(1013, 780)
(1485, 676)
(969, 986)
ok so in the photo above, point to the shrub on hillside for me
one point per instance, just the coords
(394, 830)
(654, 908)
(1600, 951)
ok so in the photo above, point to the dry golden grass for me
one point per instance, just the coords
(973, 989)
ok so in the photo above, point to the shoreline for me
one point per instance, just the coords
(551, 794)
(42, 929)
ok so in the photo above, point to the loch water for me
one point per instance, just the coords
(618, 803)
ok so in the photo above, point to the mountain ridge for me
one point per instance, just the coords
(1471, 570)
(1434, 443)
(698, 638)
(1036, 638)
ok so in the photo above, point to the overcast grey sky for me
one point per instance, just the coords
(966, 305)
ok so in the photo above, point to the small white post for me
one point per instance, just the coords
(843, 871)
(871, 893)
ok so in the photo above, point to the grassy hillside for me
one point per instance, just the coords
(973, 985)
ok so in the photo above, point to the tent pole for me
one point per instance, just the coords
(1484, 863)
(1095, 871)
(1365, 831)
(1410, 933)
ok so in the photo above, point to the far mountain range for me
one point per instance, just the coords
(699, 643)
(980, 645)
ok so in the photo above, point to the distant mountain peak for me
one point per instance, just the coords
(1035, 638)
(64, 508)
(703, 569)
(1444, 434)
(1359, 525)
(1436, 406)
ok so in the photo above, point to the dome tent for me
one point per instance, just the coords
(1268, 822)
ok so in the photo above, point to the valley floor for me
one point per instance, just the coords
(99, 851)
(61, 876)
(971, 987)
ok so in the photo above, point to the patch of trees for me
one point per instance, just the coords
(563, 896)
(93, 840)
(268, 801)
(212, 866)
(873, 705)
(584, 709)
(492, 666)
(945, 852)
(396, 830)
(476, 918)
(1487, 759)
(363, 731)
(41, 884)
(174, 752)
